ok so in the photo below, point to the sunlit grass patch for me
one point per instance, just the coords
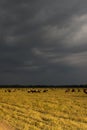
(53, 110)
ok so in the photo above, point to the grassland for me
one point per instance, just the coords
(51, 110)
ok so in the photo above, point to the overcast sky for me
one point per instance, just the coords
(43, 42)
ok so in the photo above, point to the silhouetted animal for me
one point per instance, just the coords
(73, 90)
(9, 90)
(28, 91)
(79, 90)
(45, 91)
(67, 90)
(33, 91)
(85, 91)
(38, 91)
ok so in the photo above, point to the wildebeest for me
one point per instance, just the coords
(73, 90)
(67, 90)
(28, 91)
(85, 91)
(45, 90)
(38, 91)
(79, 90)
(33, 91)
(9, 90)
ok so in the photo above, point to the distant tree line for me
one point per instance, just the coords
(43, 86)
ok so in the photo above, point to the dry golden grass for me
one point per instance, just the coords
(52, 110)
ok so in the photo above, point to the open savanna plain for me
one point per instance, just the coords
(55, 109)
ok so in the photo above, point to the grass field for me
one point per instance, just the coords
(51, 110)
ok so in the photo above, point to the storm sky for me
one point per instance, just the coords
(43, 42)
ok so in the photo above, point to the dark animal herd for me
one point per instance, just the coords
(45, 90)
(76, 90)
(29, 91)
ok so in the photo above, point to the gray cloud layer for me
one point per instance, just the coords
(43, 42)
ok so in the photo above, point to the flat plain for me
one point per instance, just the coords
(55, 109)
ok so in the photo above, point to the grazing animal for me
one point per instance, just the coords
(67, 90)
(79, 90)
(73, 90)
(28, 91)
(38, 91)
(45, 91)
(9, 90)
(33, 91)
(85, 91)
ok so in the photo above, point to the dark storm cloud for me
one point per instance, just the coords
(43, 42)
